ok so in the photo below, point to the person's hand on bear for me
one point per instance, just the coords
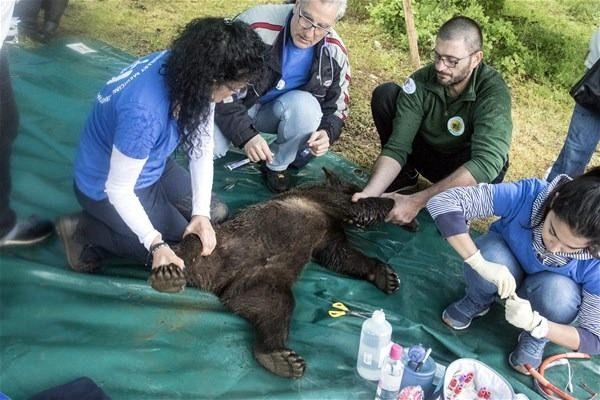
(164, 255)
(167, 268)
(406, 208)
(201, 226)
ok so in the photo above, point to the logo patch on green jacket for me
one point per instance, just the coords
(456, 126)
(409, 86)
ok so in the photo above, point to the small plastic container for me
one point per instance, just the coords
(423, 377)
(391, 375)
(375, 342)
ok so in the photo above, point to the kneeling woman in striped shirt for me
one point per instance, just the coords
(542, 256)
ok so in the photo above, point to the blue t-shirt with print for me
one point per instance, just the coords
(131, 113)
(295, 70)
(513, 202)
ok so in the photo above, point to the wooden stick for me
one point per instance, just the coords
(411, 32)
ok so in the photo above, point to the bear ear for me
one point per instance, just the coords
(332, 179)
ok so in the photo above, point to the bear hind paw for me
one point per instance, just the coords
(386, 279)
(284, 362)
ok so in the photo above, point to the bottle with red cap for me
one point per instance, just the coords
(391, 375)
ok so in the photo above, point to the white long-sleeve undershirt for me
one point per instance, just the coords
(124, 172)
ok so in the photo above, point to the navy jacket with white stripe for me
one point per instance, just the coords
(329, 77)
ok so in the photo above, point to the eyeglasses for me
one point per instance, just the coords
(448, 61)
(237, 91)
(306, 24)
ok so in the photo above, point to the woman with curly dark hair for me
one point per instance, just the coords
(135, 197)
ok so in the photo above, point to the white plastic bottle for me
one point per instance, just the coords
(391, 375)
(375, 338)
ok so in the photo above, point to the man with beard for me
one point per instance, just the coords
(450, 122)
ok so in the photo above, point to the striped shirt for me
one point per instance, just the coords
(454, 208)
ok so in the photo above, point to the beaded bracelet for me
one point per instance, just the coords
(152, 250)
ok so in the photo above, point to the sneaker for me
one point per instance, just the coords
(29, 231)
(66, 227)
(406, 182)
(461, 313)
(30, 29)
(276, 181)
(49, 30)
(303, 157)
(529, 350)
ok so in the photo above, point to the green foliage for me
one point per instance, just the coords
(550, 55)
(501, 45)
(520, 46)
(585, 11)
(358, 9)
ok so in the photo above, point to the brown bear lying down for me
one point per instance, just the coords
(261, 252)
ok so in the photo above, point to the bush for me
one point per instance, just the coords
(501, 45)
(585, 11)
(358, 9)
(516, 46)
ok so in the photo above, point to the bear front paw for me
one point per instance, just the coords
(369, 211)
(167, 278)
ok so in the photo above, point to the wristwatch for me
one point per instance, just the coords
(541, 330)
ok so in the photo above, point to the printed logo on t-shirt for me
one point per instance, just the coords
(128, 74)
(456, 126)
(409, 86)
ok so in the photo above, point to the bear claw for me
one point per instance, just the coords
(167, 278)
(386, 279)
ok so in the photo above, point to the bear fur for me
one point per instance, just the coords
(261, 252)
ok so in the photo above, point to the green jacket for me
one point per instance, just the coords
(479, 118)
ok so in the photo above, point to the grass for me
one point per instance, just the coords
(541, 112)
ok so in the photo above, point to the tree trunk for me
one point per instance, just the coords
(411, 32)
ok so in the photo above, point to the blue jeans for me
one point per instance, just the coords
(293, 117)
(168, 203)
(541, 289)
(580, 143)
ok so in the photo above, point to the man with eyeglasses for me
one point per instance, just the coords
(450, 122)
(302, 97)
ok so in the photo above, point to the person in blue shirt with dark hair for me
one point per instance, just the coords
(545, 246)
(136, 198)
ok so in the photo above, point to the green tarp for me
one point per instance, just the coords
(56, 325)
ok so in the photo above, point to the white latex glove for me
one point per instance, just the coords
(497, 274)
(518, 312)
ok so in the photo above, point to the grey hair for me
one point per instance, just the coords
(342, 4)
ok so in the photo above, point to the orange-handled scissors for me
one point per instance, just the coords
(340, 309)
